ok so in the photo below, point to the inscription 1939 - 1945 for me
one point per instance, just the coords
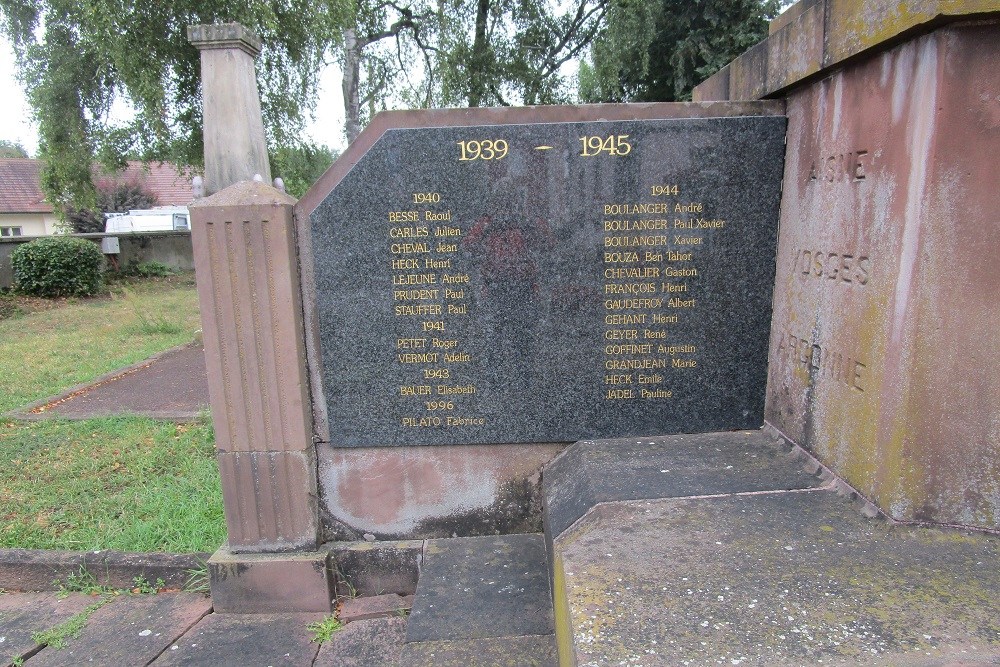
(549, 282)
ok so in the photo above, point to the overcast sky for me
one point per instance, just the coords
(16, 125)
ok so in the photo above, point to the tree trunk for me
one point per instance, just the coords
(477, 63)
(352, 72)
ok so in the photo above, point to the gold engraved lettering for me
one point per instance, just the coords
(634, 364)
(403, 216)
(457, 278)
(629, 288)
(666, 319)
(621, 334)
(693, 207)
(415, 390)
(615, 145)
(617, 379)
(421, 422)
(618, 320)
(633, 304)
(664, 190)
(409, 248)
(632, 273)
(414, 279)
(415, 294)
(411, 343)
(431, 263)
(466, 421)
(456, 390)
(680, 303)
(628, 348)
(656, 393)
(418, 357)
(426, 197)
(438, 216)
(447, 247)
(634, 225)
(404, 264)
(486, 149)
(636, 209)
(620, 394)
(419, 310)
(408, 232)
(683, 363)
(633, 241)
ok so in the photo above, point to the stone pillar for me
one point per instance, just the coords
(235, 147)
(249, 290)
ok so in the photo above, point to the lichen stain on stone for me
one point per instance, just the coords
(776, 580)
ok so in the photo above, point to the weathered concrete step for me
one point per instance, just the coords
(782, 578)
(595, 471)
(482, 601)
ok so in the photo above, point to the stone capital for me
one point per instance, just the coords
(224, 36)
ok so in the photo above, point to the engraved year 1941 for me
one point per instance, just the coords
(613, 144)
(487, 149)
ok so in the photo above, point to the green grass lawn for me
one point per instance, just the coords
(126, 483)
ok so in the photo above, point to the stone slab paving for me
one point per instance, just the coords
(244, 640)
(370, 643)
(535, 651)
(595, 471)
(478, 587)
(788, 578)
(131, 630)
(22, 614)
(376, 606)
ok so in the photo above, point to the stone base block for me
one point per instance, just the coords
(271, 583)
(374, 568)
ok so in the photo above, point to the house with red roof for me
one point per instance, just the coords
(24, 211)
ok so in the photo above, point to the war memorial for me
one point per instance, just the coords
(700, 383)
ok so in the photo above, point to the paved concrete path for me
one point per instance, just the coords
(169, 385)
(180, 629)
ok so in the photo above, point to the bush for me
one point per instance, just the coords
(57, 266)
(150, 270)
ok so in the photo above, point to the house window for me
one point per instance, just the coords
(181, 222)
(10, 231)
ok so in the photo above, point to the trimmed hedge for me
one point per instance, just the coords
(57, 266)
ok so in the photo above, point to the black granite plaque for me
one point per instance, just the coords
(550, 282)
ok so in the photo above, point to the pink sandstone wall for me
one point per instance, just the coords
(886, 330)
